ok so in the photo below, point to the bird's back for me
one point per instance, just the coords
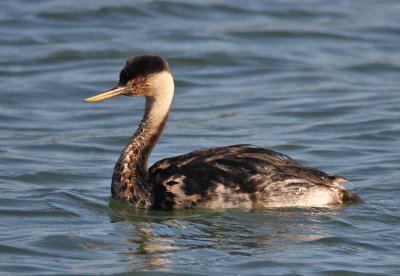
(240, 176)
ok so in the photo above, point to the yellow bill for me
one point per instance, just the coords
(116, 91)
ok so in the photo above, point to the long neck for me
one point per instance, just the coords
(137, 152)
(130, 173)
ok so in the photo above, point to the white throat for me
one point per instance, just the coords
(159, 99)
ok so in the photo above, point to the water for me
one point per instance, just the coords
(317, 80)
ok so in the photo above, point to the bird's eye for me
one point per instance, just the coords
(135, 80)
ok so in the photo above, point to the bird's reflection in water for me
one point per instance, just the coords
(154, 234)
(157, 251)
(164, 239)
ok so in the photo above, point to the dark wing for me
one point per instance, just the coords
(252, 172)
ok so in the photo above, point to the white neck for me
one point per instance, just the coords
(158, 102)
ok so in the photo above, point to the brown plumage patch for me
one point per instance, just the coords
(243, 175)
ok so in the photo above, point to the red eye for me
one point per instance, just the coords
(135, 80)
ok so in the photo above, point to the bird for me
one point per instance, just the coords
(236, 176)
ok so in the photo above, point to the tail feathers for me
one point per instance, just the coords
(350, 196)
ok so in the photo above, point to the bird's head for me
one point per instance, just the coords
(143, 75)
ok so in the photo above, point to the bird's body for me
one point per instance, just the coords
(223, 177)
(239, 176)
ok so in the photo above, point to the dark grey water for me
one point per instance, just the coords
(318, 80)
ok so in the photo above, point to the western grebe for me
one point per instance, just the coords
(222, 177)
